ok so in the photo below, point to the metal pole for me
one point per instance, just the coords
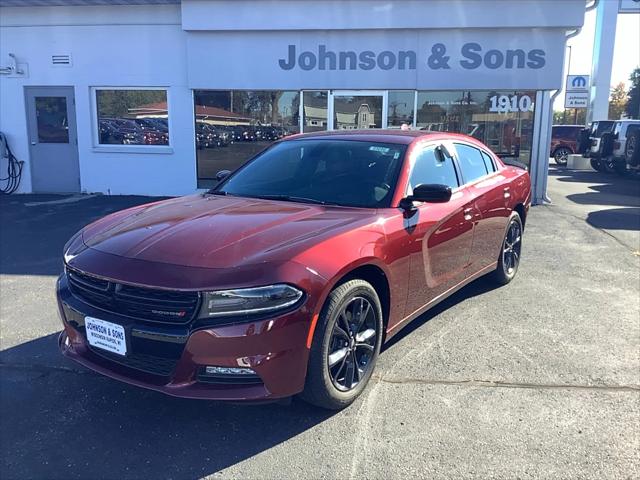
(602, 62)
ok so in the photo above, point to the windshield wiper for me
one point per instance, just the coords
(216, 192)
(290, 198)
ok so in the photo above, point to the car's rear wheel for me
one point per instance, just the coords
(561, 156)
(509, 259)
(345, 347)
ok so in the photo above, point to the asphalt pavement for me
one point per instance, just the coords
(537, 379)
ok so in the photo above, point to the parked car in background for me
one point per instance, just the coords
(222, 137)
(564, 142)
(288, 276)
(154, 137)
(625, 153)
(205, 137)
(109, 132)
(599, 147)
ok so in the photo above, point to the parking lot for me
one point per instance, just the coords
(538, 379)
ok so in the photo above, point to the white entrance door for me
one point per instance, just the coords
(357, 109)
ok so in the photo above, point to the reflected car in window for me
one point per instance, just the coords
(288, 276)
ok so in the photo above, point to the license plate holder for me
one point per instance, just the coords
(105, 335)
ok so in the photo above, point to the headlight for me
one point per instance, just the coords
(247, 301)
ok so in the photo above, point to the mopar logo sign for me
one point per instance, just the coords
(577, 83)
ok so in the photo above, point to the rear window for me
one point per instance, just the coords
(632, 128)
(471, 162)
(601, 127)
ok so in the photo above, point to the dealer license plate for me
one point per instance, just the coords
(105, 335)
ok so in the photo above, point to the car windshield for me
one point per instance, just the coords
(333, 172)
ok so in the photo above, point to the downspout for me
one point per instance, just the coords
(568, 36)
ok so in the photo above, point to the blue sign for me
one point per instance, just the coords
(577, 83)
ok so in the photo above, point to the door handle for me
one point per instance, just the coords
(33, 143)
(507, 194)
(468, 213)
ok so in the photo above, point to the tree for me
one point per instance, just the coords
(633, 103)
(570, 116)
(617, 101)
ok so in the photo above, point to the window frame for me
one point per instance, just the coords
(481, 150)
(115, 148)
(419, 148)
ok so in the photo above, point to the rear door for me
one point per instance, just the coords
(441, 234)
(485, 185)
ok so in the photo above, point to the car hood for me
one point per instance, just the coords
(219, 232)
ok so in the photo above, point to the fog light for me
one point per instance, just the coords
(228, 371)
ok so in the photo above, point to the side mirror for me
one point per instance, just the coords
(427, 192)
(222, 174)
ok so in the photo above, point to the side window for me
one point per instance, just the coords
(471, 162)
(488, 163)
(431, 166)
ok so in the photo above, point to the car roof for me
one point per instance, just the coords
(387, 136)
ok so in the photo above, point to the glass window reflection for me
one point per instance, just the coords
(53, 126)
(132, 117)
(501, 120)
(232, 126)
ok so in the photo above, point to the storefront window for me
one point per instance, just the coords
(357, 112)
(232, 126)
(400, 108)
(314, 111)
(501, 120)
(132, 117)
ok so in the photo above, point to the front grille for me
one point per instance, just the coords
(154, 305)
(147, 363)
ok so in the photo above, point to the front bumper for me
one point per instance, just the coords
(172, 361)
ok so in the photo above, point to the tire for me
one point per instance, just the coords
(632, 148)
(596, 165)
(561, 155)
(333, 387)
(510, 251)
(609, 164)
(606, 145)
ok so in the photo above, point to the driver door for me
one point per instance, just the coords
(441, 233)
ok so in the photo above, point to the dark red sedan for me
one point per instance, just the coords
(289, 275)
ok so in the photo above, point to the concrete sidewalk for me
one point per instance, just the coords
(538, 379)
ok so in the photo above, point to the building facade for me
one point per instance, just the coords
(154, 97)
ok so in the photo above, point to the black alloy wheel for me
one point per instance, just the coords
(345, 346)
(510, 250)
(352, 344)
(512, 247)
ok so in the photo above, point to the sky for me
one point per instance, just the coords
(626, 54)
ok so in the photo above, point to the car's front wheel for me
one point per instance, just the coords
(345, 347)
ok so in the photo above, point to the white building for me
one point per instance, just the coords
(104, 94)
